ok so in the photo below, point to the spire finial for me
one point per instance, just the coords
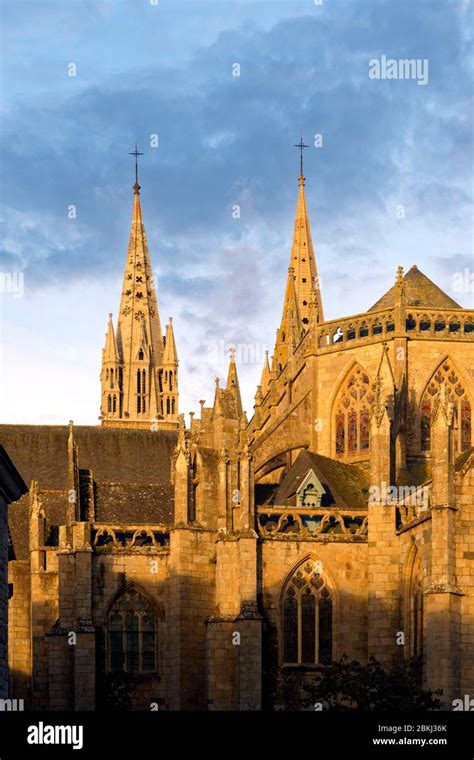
(136, 153)
(301, 145)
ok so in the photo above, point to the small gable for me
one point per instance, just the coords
(310, 492)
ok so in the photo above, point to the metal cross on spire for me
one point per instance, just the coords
(301, 145)
(136, 153)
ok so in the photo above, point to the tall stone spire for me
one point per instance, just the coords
(303, 261)
(303, 302)
(132, 366)
(138, 303)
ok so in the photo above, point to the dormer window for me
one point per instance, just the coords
(310, 492)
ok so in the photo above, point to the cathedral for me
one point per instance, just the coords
(190, 568)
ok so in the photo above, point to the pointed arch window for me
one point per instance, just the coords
(132, 634)
(109, 404)
(415, 608)
(307, 618)
(456, 392)
(141, 391)
(352, 414)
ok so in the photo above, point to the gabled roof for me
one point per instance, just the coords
(39, 452)
(420, 291)
(346, 485)
(131, 471)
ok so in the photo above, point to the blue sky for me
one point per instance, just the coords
(166, 69)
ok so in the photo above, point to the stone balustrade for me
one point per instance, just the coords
(311, 524)
(137, 538)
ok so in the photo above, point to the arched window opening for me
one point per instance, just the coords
(132, 634)
(172, 406)
(140, 355)
(111, 378)
(307, 617)
(352, 414)
(171, 381)
(415, 609)
(167, 406)
(114, 404)
(193, 502)
(456, 391)
(141, 391)
(109, 404)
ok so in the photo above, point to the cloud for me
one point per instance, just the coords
(226, 140)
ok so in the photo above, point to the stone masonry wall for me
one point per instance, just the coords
(3, 599)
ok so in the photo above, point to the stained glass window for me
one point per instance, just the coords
(340, 434)
(132, 635)
(456, 392)
(352, 420)
(307, 617)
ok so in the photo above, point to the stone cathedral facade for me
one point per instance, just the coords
(189, 564)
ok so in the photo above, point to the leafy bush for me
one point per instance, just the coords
(346, 685)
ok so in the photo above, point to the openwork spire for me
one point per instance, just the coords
(139, 368)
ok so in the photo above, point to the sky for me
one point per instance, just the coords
(216, 94)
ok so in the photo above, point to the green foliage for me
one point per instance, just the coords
(346, 685)
(117, 691)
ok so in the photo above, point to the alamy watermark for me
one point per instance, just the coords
(13, 283)
(244, 353)
(409, 496)
(401, 68)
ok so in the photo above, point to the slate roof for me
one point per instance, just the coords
(39, 452)
(346, 485)
(420, 292)
(131, 471)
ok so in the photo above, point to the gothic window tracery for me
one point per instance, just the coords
(307, 617)
(352, 414)
(456, 392)
(132, 634)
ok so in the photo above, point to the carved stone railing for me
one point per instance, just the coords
(137, 538)
(410, 514)
(454, 324)
(330, 335)
(311, 524)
